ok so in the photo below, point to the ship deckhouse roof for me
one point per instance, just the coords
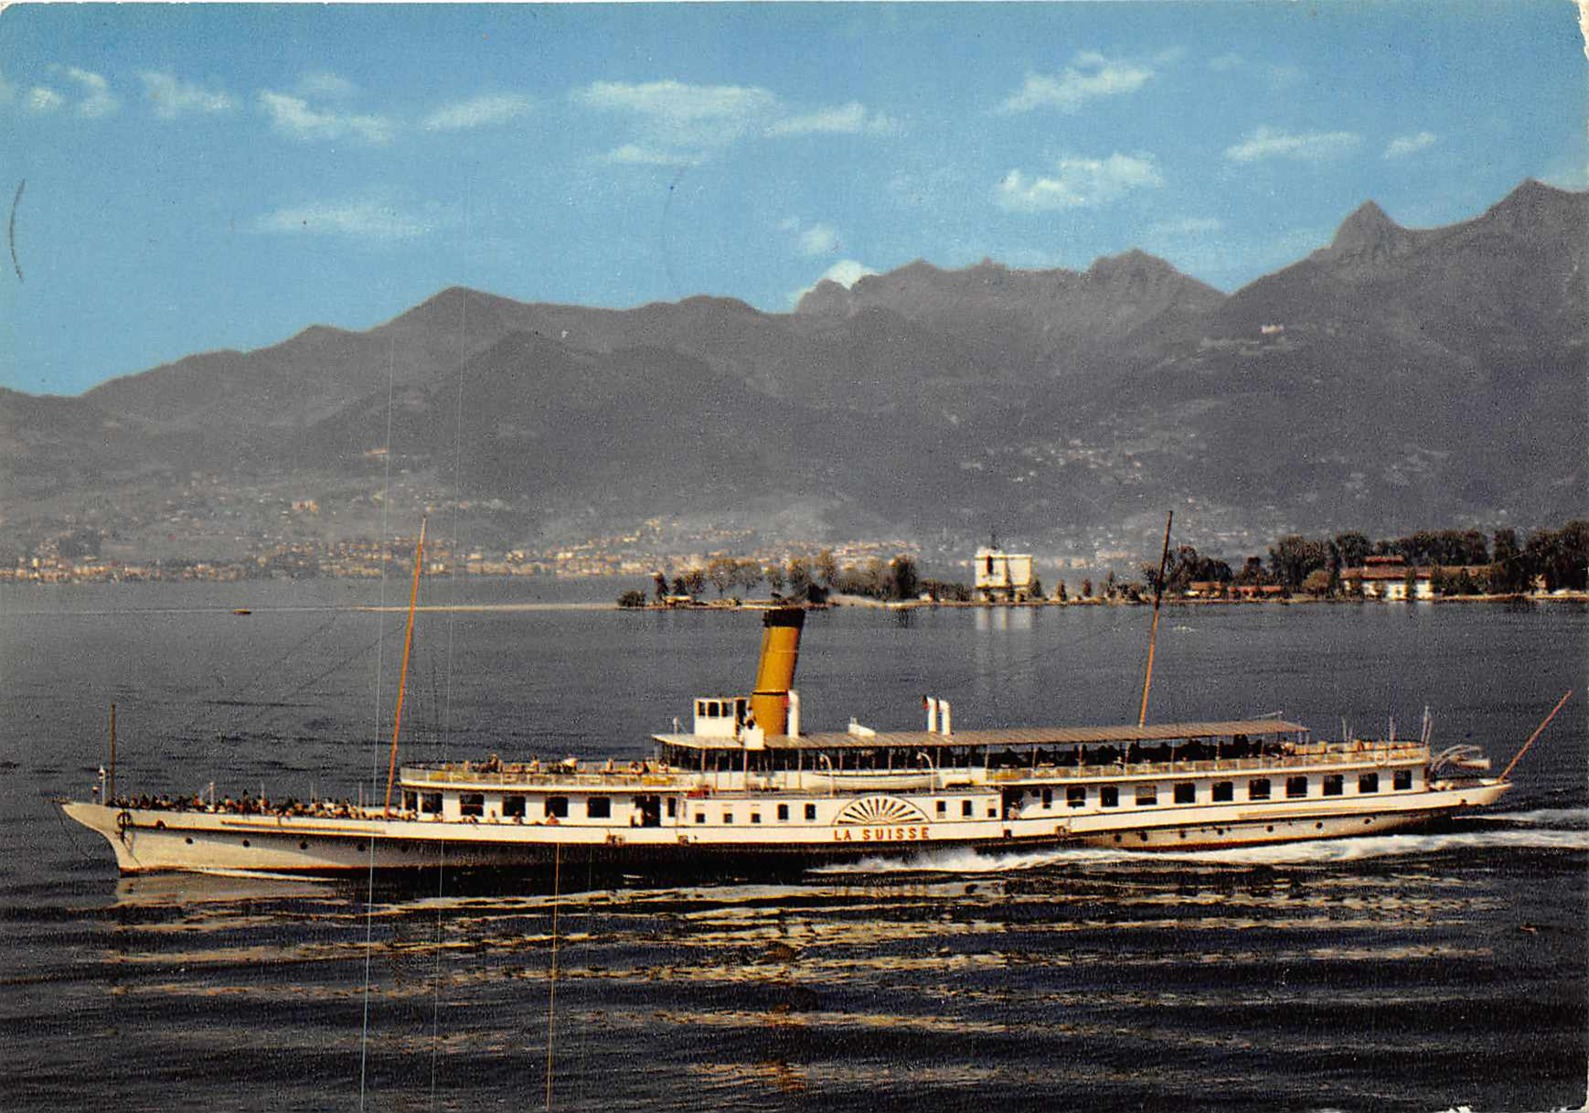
(999, 738)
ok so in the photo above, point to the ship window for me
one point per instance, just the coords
(943, 807)
(430, 803)
(410, 801)
(1224, 791)
(1075, 797)
(1402, 780)
(1147, 795)
(513, 807)
(700, 817)
(1296, 786)
(1186, 793)
(755, 817)
(599, 807)
(1258, 788)
(1334, 784)
(728, 816)
(1109, 796)
(811, 811)
(557, 807)
(993, 811)
(1368, 782)
(472, 803)
(783, 813)
(965, 808)
(1048, 798)
(673, 807)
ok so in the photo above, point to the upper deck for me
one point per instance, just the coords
(1006, 738)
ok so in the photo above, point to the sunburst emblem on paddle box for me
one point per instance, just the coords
(879, 811)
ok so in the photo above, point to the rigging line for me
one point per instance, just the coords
(380, 653)
(452, 625)
(237, 693)
(551, 988)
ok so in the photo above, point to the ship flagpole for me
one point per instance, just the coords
(402, 679)
(1153, 630)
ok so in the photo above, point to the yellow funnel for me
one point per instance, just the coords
(780, 652)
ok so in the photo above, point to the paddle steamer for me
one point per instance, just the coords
(747, 783)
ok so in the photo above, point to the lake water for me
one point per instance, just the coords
(1404, 973)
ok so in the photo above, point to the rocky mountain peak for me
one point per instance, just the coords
(1369, 234)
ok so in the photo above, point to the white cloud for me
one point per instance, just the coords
(846, 272)
(848, 119)
(42, 99)
(1404, 145)
(326, 86)
(97, 99)
(1078, 183)
(819, 239)
(173, 97)
(364, 220)
(685, 115)
(490, 110)
(1313, 146)
(294, 118)
(1225, 63)
(93, 101)
(632, 154)
(1187, 226)
(683, 124)
(1090, 76)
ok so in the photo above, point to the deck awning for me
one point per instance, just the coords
(1003, 738)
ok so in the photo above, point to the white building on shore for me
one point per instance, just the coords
(1002, 577)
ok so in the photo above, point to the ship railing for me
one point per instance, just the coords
(552, 777)
(1313, 758)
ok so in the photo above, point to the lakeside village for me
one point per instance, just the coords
(1426, 565)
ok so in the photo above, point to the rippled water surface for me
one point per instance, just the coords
(1420, 972)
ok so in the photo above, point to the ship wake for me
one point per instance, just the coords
(1553, 829)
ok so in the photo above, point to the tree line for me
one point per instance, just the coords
(798, 579)
(1463, 562)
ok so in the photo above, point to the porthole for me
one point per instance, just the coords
(188, 840)
(1183, 834)
(1319, 826)
(245, 842)
(1270, 828)
(1117, 838)
(303, 845)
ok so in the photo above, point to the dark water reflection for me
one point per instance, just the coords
(1416, 973)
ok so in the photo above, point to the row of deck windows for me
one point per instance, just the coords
(1221, 792)
(473, 804)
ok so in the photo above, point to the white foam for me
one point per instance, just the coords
(1571, 818)
(1310, 852)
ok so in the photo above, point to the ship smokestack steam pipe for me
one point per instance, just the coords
(780, 652)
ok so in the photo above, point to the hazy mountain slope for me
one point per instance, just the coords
(1394, 378)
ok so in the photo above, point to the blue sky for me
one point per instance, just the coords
(199, 177)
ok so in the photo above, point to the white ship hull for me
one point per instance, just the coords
(165, 839)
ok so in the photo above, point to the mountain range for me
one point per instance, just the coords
(1394, 379)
